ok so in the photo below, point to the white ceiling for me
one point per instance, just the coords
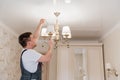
(88, 19)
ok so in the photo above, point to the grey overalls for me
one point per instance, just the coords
(25, 75)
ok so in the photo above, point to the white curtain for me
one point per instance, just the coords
(65, 64)
(70, 65)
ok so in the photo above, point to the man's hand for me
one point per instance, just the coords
(42, 21)
(51, 43)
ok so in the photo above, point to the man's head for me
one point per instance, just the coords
(26, 40)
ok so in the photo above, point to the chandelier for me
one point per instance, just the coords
(53, 31)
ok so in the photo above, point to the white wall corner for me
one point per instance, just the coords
(110, 31)
(8, 28)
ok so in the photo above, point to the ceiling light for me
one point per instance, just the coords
(53, 31)
(67, 1)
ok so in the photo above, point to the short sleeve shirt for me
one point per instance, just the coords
(30, 60)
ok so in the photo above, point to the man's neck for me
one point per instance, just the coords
(28, 47)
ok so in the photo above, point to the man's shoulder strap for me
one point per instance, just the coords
(24, 51)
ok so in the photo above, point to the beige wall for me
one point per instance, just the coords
(9, 54)
(112, 48)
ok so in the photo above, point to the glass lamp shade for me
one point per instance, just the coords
(50, 30)
(44, 32)
(108, 66)
(66, 32)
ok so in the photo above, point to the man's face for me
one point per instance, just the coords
(32, 41)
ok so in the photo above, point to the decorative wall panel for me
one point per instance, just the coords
(9, 54)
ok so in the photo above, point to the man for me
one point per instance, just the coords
(31, 60)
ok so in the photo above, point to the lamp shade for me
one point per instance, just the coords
(108, 66)
(44, 32)
(66, 32)
(50, 29)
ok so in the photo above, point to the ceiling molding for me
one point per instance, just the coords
(110, 31)
(7, 28)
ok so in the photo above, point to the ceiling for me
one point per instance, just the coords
(88, 19)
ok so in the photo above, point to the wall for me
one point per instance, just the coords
(112, 49)
(9, 54)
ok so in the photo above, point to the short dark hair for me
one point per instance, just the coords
(23, 38)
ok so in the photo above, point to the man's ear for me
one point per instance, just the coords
(28, 43)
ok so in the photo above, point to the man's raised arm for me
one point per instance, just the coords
(36, 34)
